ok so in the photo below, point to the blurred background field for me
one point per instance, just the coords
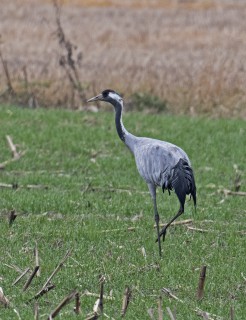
(187, 57)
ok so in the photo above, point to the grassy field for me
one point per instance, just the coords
(93, 194)
(190, 54)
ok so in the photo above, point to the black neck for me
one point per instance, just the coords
(118, 121)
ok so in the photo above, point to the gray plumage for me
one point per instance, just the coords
(161, 164)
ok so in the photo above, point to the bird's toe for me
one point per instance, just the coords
(162, 234)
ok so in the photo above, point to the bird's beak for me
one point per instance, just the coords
(96, 98)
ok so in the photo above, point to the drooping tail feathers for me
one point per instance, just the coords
(183, 181)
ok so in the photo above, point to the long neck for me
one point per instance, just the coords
(121, 130)
(124, 135)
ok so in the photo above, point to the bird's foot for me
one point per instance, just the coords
(162, 234)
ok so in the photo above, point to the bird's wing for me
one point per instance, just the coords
(183, 182)
(166, 165)
(155, 160)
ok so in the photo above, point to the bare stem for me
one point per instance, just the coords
(36, 310)
(43, 291)
(20, 277)
(200, 290)
(12, 217)
(27, 284)
(160, 311)
(61, 263)
(126, 300)
(64, 302)
(37, 258)
(77, 308)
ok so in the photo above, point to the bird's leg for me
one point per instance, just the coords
(152, 190)
(157, 219)
(163, 231)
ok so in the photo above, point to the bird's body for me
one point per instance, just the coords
(155, 160)
(160, 163)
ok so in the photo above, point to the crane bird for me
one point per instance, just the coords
(160, 163)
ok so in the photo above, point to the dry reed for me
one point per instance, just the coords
(191, 56)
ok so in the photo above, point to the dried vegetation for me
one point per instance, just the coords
(189, 54)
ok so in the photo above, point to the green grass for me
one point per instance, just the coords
(86, 169)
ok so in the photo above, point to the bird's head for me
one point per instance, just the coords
(109, 96)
